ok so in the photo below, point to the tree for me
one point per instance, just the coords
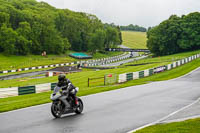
(4, 18)
(22, 46)
(132, 27)
(40, 27)
(24, 29)
(8, 39)
(190, 36)
(177, 34)
(96, 41)
(112, 37)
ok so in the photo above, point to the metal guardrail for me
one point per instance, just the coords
(127, 50)
(136, 75)
(26, 90)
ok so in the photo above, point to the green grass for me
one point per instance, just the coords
(168, 59)
(11, 103)
(189, 126)
(105, 55)
(15, 62)
(135, 40)
(80, 79)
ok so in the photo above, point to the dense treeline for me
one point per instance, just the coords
(132, 27)
(31, 27)
(177, 34)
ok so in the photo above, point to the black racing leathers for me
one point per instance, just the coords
(66, 83)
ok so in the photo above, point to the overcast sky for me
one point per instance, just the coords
(123, 12)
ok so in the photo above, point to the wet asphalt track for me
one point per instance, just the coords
(116, 111)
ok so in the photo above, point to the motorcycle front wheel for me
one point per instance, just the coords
(56, 110)
(79, 108)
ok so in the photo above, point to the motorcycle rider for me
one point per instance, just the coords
(65, 84)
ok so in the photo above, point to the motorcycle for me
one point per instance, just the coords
(63, 103)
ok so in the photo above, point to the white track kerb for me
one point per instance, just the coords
(171, 114)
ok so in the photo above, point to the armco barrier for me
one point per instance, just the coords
(53, 85)
(177, 64)
(169, 66)
(136, 75)
(166, 67)
(122, 78)
(146, 73)
(141, 74)
(43, 87)
(8, 92)
(26, 90)
(150, 72)
(15, 91)
(129, 76)
(174, 64)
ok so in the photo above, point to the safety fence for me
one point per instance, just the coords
(17, 91)
(140, 74)
(107, 79)
(93, 63)
(82, 63)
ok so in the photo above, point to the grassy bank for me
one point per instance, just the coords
(80, 79)
(189, 126)
(15, 62)
(169, 58)
(135, 40)
(12, 103)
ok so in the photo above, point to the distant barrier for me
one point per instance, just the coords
(127, 50)
(137, 75)
(98, 62)
(89, 63)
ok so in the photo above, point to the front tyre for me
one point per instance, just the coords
(56, 110)
(79, 108)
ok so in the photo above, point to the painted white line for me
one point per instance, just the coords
(179, 110)
(162, 119)
(181, 119)
(184, 75)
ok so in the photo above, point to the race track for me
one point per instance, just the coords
(116, 111)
